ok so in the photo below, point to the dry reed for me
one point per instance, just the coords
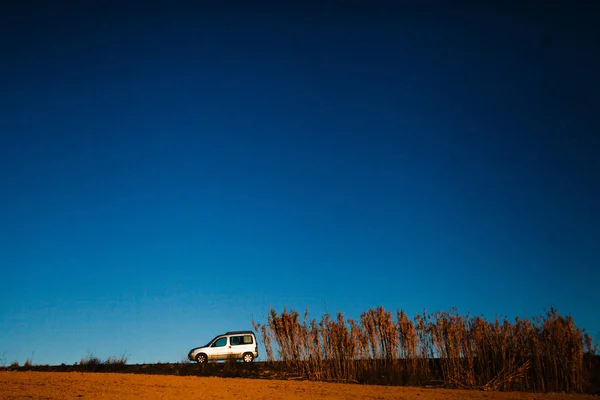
(447, 349)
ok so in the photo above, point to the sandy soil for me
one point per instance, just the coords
(77, 385)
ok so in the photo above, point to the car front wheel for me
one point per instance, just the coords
(247, 357)
(201, 358)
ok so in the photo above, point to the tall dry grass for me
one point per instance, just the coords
(546, 353)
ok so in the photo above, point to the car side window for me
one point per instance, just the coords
(239, 340)
(220, 342)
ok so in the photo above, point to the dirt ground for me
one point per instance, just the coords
(77, 385)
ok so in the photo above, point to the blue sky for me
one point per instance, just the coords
(169, 173)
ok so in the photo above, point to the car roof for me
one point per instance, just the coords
(239, 332)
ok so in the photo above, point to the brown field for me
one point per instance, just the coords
(78, 385)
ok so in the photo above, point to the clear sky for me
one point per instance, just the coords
(169, 173)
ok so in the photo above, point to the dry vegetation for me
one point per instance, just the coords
(547, 354)
(92, 361)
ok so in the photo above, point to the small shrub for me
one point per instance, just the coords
(90, 360)
(121, 360)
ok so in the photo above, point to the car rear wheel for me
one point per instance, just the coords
(201, 358)
(248, 357)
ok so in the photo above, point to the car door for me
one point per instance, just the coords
(235, 346)
(219, 349)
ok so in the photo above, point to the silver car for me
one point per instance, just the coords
(237, 345)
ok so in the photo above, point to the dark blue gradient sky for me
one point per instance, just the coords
(168, 173)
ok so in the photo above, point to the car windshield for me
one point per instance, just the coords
(211, 340)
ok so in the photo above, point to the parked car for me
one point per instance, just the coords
(237, 345)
